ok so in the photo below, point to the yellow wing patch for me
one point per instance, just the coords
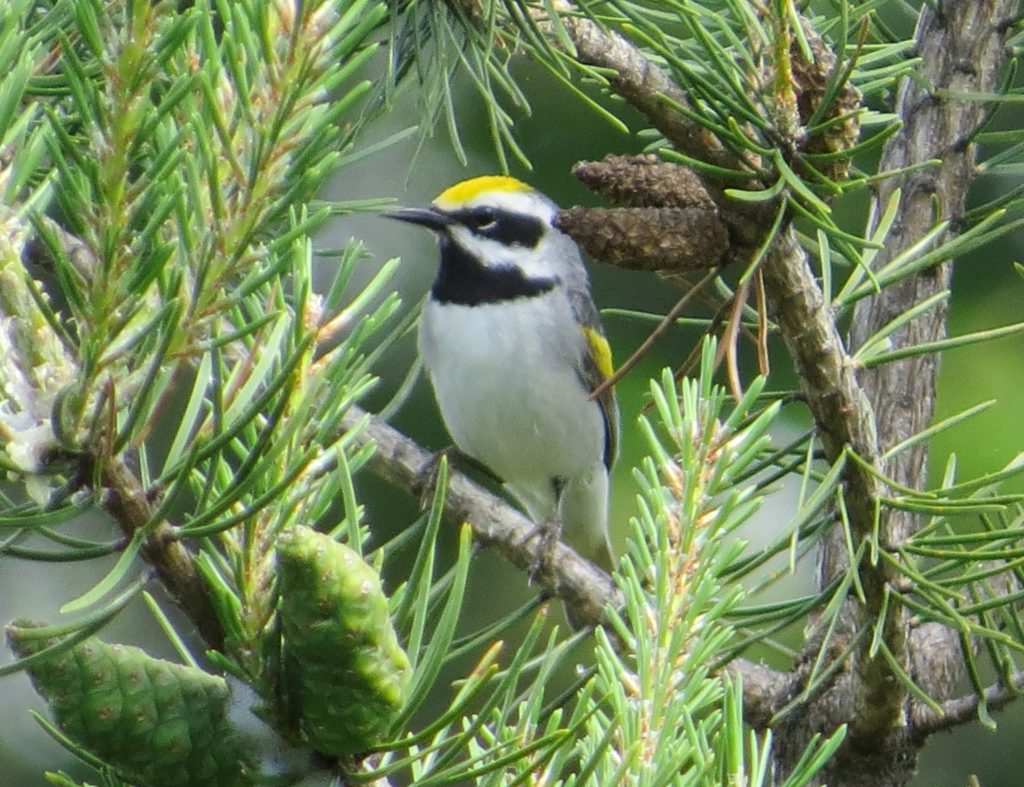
(600, 352)
(463, 192)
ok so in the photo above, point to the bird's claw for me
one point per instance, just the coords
(424, 485)
(543, 562)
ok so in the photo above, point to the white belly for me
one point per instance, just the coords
(506, 383)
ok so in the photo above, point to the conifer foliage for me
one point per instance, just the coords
(166, 362)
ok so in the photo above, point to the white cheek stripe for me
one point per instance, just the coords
(534, 263)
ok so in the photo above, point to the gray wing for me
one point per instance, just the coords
(596, 365)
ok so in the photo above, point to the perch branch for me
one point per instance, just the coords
(582, 586)
(400, 461)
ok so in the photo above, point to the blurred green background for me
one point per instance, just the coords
(987, 293)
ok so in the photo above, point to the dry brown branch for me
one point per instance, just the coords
(582, 586)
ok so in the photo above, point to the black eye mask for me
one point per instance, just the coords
(511, 229)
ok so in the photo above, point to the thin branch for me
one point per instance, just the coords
(647, 88)
(827, 375)
(653, 336)
(965, 709)
(126, 501)
(845, 422)
(398, 460)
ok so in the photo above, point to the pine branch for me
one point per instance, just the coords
(808, 327)
(845, 422)
(126, 501)
(965, 709)
(841, 413)
(125, 498)
(647, 88)
(963, 47)
(582, 586)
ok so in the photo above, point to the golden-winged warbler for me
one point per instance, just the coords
(513, 346)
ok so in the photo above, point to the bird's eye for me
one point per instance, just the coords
(484, 219)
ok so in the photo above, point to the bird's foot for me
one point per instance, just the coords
(548, 534)
(425, 483)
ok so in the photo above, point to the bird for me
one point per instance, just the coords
(513, 346)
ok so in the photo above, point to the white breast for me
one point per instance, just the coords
(505, 379)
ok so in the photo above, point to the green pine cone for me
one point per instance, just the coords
(157, 723)
(346, 672)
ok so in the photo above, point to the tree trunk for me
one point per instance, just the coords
(961, 44)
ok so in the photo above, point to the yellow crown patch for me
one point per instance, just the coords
(466, 190)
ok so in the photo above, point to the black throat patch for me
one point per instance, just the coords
(464, 280)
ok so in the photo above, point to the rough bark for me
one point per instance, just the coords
(962, 48)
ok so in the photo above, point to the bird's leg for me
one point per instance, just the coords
(425, 483)
(549, 533)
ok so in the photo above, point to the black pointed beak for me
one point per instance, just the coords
(429, 217)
